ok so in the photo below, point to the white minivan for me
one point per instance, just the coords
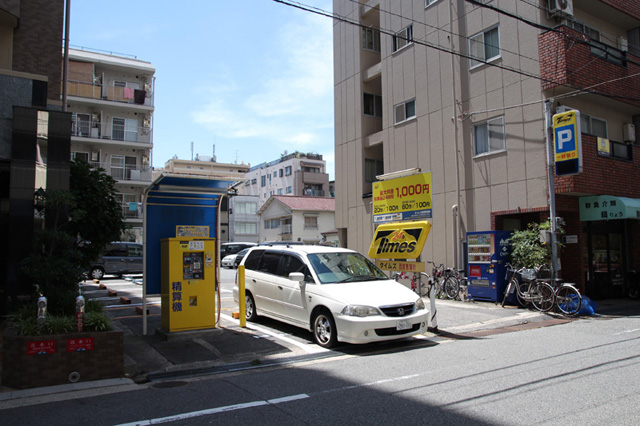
(337, 294)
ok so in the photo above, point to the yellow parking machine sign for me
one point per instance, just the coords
(400, 240)
(567, 143)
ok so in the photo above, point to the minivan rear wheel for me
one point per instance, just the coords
(250, 307)
(97, 273)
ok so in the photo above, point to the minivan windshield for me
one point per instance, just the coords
(344, 267)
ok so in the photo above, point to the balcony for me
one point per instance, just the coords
(121, 95)
(568, 59)
(608, 169)
(114, 132)
(131, 213)
(127, 173)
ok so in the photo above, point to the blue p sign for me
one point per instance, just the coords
(568, 153)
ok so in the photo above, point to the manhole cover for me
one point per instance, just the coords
(167, 385)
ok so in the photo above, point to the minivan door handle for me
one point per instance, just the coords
(280, 287)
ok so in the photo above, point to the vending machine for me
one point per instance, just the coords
(188, 283)
(487, 255)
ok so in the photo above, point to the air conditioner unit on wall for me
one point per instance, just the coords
(560, 7)
(629, 132)
(562, 108)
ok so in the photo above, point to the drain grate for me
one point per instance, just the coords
(169, 385)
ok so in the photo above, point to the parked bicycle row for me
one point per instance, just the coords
(527, 287)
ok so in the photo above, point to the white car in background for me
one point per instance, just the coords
(228, 261)
(337, 294)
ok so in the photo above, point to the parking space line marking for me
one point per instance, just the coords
(312, 349)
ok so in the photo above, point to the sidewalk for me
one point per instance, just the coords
(156, 356)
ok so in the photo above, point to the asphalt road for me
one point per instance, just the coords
(581, 372)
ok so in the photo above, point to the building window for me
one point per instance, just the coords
(243, 207)
(289, 189)
(372, 168)
(484, 47)
(280, 173)
(403, 38)
(263, 181)
(245, 228)
(80, 125)
(371, 39)
(488, 137)
(590, 32)
(124, 129)
(372, 105)
(287, 171)
(593, 126)
(279, 191)
(310, 222)
(428, 3)
(405, 111)
(271, 223)
(80, 156)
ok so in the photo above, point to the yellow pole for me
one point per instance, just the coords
(241, 296)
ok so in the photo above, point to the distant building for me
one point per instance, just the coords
(111, 99)
(295, 174)
(207, 166)
(244, 223)
(291, 218)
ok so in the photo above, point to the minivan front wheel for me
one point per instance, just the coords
(324, 329)
(97, 273)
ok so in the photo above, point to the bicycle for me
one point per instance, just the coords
(446, 281)
(542, 293)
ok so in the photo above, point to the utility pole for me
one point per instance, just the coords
(552, 190)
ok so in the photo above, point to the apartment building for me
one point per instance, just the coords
(111, 99)
(458, 89)
(34, 131)
(295, 174)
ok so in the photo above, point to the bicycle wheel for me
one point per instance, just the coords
(542, 296)
(507, 292)
(452, 287)
(568, 299)
(522, 293)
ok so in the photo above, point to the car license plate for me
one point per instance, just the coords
(403, 325)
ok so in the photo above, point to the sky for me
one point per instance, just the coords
(253, 78)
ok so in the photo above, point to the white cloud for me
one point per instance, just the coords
(290, 100)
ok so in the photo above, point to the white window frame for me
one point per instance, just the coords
(287, 171)
(245, 228)
(129, 129)
(77, 155)
(477, 42)
(402, 110)
(403, 38)
(586, 124)
(491, 147)
(311, 222)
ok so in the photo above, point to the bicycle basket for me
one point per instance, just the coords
(528, 275)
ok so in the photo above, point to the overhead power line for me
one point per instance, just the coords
(344, 19)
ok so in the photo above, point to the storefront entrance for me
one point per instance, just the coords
(606, 253)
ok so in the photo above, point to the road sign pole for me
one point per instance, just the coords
(552, 190)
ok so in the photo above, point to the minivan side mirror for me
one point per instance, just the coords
(297, 276)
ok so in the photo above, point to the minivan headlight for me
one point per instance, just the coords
(360, 311)
(419, 304)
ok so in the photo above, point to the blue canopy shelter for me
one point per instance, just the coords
(185, 201)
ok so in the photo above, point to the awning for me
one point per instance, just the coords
(608, 207)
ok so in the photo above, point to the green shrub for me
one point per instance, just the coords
(97, 321)
(55, 324)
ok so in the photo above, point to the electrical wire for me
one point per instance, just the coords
(344, 19)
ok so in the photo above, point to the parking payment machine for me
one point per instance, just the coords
(188, 283)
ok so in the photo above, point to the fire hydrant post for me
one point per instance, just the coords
(242, 297)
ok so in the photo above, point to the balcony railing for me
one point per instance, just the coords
(110, 93)
(130, 213)
(567, 59)
(285, 229)
(313, 193)
(116, 132)
(126, 172)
